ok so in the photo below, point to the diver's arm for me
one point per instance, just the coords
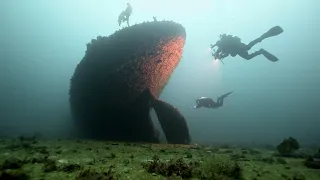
(223, 55)
(216, 54)
(195, 107)
(212, 46)
(219, 50)
(198, 105)
(220, 55)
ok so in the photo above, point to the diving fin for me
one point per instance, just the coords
(172, 122)
(120, 18)
(225, 95)
(119, 21)
(274, 31)
(269, 56)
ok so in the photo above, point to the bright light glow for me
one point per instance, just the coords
(216, 61)
(214, 69)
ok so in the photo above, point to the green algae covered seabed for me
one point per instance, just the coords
(85, 159)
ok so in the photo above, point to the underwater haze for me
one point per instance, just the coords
(41, 43)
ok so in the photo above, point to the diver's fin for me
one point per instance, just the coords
(172, 122)
(269, 56)
(225, 95)
(121, 18)
(119, 21)
(274, 31)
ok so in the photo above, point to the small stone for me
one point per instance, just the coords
(63, 161)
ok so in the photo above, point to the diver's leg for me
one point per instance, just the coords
(265, 53)
(220, 101)
(269, 56)
(247, 56)
(274, 31)
(254, 42)
(128, 20)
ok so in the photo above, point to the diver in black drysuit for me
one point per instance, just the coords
(125, 15)
(232, 45)
(209, 103)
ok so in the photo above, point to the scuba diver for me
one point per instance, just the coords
(125, 15)
(209, 103)
(232, 45)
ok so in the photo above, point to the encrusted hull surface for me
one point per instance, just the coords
(106, 86)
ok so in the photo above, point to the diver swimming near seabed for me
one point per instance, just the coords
(125, 15)
(209, 103)
(232, 45)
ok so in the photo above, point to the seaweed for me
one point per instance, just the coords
(221, 168)
(288, 146)
(14, 175)
(313, 162)
(92, 174)
(213, 168)
(174, 166)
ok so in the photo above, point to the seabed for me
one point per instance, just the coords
(88, 160)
